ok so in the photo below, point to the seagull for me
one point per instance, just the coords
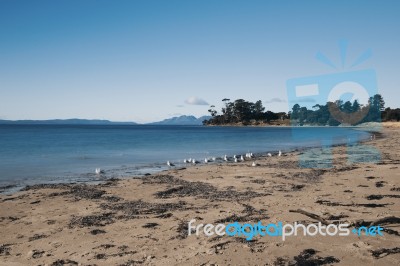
(214, 159)
(185, 161)
(241, 158)
(170, 164)
(194, 161)
(234, 156)
(269, 154)
(205, 160)
(235, 160)
(251, 155)
(99, 171)
(254, 164)
(225, 158)
(280, 153)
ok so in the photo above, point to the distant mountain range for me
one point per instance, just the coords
(183, 120)
(73, 121)
(187, 120)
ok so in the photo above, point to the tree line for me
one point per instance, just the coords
(332, 113)
(243, 112)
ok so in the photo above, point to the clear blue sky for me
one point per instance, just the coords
(148, 60)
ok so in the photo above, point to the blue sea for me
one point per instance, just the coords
(31, 154)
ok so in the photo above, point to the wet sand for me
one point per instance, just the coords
(144, 220)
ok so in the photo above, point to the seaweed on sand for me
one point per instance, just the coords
(183, 188)
(91, 220)
(383, 252)
(5, 249)
(182, 230)
(132, 209)
(307, 257)
(366, 205)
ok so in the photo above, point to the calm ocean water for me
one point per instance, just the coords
(31, 154)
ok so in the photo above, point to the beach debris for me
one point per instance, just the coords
(37, 236)
(133, 262)
(250, 214)
(182, 230)
(185, 188)
(164, 215)
(220, 246)
(381, 221)
(47, 186)
(133, 209)
(258, 181)
(306, 257)
(5, 250)
(312, 175)
(35, 254)
(383, 252)
(366, 205)
(162, 179)
(97, 231)
(91, 220)
(106, 246)
(336, 217)
(64, 262)
(203, 190)
(311, 215)
(111, 182)
(378, 197)
(86, 192)
(254, 164)
(297, 187)
(103, 256)
(150, 225)
(380, 183)
(78, 191)
(233, 218)
(112, 198)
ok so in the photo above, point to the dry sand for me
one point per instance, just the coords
(144, 220)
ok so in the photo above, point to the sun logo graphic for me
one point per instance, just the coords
(346, 97)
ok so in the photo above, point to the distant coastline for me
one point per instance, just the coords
(72, 121)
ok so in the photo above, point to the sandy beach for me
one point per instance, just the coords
(144, 221)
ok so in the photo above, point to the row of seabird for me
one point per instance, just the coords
(236, 158)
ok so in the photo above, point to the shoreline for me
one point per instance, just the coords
(10, 189)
